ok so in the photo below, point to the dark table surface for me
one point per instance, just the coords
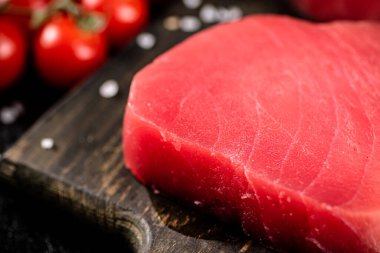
(28, 224)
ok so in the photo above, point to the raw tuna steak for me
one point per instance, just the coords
(339, 9)
(271, 122)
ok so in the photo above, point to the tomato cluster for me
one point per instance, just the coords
(69, 39)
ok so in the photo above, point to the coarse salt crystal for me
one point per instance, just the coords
(47, 143)
(235, 13)
(109, 89)
(171, 23)
(146, 41)
(223, 14)
(190, 24)
(212, 14)
(8, 115)
(208, 14)
(192, 4)
(197, 202)
(229, 14)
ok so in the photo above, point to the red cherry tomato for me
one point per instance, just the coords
(65, 54)
(12, 52)
(20, 11)
(31, 4)
(126, 18)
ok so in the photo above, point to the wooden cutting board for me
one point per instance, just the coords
(85, 171)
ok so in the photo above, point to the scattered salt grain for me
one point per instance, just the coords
(197, 202)
(190, 24)
(192, 4)
(223, 14)
(235, 13)
(146, 41)
(47, 143)
(211, 14)
(171, 23)
(8, 115)
(109, 89)
(229, 14)
(155, 190)
(208, 14)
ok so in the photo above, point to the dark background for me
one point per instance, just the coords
(28, 224)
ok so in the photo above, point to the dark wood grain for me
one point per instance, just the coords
(85, 171)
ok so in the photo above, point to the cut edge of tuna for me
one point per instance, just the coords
(268, 211)
(162, 151)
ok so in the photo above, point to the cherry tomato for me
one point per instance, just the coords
(31, 4)
(12, 52)
(20, 11)
(3, 2)
(126, 18)
(65, 53)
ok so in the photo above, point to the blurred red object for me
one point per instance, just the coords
(12, 52)
(339, 9)
(125, 18)
(66, 53)
(20, 11)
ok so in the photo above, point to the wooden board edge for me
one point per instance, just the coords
(133, 227)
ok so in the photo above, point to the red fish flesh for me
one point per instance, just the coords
(271, 122)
